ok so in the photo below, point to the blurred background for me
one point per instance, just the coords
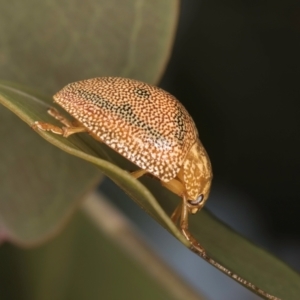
(236, 67)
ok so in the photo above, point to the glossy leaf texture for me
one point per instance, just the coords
(221, 243)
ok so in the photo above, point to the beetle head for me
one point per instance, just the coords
(197, 177)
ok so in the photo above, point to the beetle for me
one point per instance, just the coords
(146, 125)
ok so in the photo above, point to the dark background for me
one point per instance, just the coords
(235, 66)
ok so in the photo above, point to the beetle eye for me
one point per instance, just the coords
(197, 201)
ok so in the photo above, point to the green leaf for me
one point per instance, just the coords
(40, 185)
(221, 243)
(244, 258)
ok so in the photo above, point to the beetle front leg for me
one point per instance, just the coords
(184, 227)
(175, 186)
(67, 130)
(64, 131)
(53, 112)
(176, 213)
(138, 173)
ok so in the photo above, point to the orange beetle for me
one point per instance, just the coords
(146, 125)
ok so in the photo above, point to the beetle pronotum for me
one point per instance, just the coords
(146, 125)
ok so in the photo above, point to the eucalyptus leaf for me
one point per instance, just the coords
(221, 243)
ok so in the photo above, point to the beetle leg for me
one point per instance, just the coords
(176, 213)
(174, 186)
(47, 127)
(64, 131)
(138, 173)
(184, 227)
(53, 112)
(69, 128)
